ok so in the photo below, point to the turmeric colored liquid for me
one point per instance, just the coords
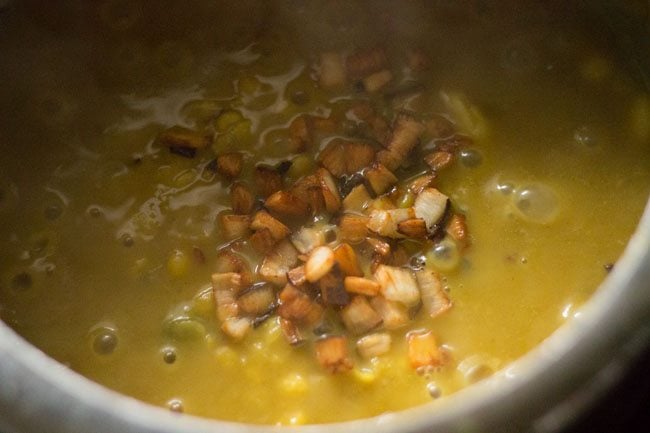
(100, 226)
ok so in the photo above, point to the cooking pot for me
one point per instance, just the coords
(542, 391)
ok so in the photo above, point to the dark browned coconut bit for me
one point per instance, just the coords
(182, 141)
(229, 165)
(186, 152)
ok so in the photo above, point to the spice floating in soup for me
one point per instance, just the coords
(290, 214)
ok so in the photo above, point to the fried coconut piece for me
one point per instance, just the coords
(430, 205)
(234, 226)
(414, 228)
(386, 222)
(241, 199)
(301, 133)
(332, 354)
(421, 183)
(291, 332)
(439, 160)
(307, 238)
(298, 306)
(278, 262)
(457, 229)
(373, 83)
(359, 317)
(397, 284)
(353, 228)
(380, 179)
(362, 63)
(332, 289)
(379, 127)
(357, 199)
(319, 191)
(229, 261)
(287, 204)
(229, 165)
(262, 241)
(236, 327)
(394, 314)
(296, 276)
(345, 157)
(309, 190)
(406, 135)
(264, 220)
(225, 287)
(267, 179)
(361, 286)
(256, 300)
(374, 345)
(346, 258)
(423, 350)
(332, 70)
(435, 300)
(183, 141)
(330, 191)
(320, 262)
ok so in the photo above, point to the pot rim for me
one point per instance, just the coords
(39, 393)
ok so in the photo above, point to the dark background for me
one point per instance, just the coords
(623, 409)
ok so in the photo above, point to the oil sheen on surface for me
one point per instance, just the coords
(99, 225)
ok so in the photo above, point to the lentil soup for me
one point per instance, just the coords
(308, 212)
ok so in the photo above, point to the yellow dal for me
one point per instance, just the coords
(82, 107)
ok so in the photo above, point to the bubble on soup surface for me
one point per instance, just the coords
(95, 211)
(434, 390)
(52, 212)
(444, 256)
(586, 136)
(505, 188)
(537, 203)
(104, 340)
(417, 262)
(175, 405)
(127, 240)
(169, 355)
(470, 158)
(43, 243)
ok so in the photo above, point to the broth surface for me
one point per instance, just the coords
(100, 224)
